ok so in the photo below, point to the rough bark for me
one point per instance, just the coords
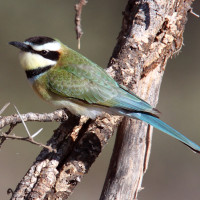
(152, 31)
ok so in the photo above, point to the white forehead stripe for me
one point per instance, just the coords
(50, 46)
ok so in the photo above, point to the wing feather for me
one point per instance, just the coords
(64, 83)
(93, 86)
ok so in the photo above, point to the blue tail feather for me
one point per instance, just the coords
(162, 126)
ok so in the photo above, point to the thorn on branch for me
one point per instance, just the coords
(78, 9)
(193, 13)
(13, 120)
(4, 108)
(26, 128)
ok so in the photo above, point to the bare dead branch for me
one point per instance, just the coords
(46, 164)
(4, 136)
(58, 115)
(30, 137)
(78, 9)
(13, 120)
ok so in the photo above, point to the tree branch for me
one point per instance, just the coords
(148, 50)
(58, 115)
(13, 120)
(78, 9)
(27, 139)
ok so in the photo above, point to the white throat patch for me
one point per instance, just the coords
(33, 61)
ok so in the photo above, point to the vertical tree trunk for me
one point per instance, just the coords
(152, 31)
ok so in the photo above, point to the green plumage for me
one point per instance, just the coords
(67, 79)
(81, 79)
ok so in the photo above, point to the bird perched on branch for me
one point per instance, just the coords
(65, 78)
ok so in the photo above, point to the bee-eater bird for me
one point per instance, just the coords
(65, 78)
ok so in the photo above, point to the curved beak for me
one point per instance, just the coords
(20, 45)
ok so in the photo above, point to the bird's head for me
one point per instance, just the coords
(38, 52)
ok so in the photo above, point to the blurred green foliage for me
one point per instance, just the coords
(173, 170)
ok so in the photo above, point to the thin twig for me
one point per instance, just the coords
(58, 115)
(27, 139)
(78, 9)
(3, 139)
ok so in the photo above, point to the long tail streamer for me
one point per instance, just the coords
(162, 126)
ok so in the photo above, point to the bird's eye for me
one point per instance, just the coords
(44, 52)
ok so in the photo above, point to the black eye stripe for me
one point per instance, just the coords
(52, 55)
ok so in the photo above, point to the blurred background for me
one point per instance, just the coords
(173, 169)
